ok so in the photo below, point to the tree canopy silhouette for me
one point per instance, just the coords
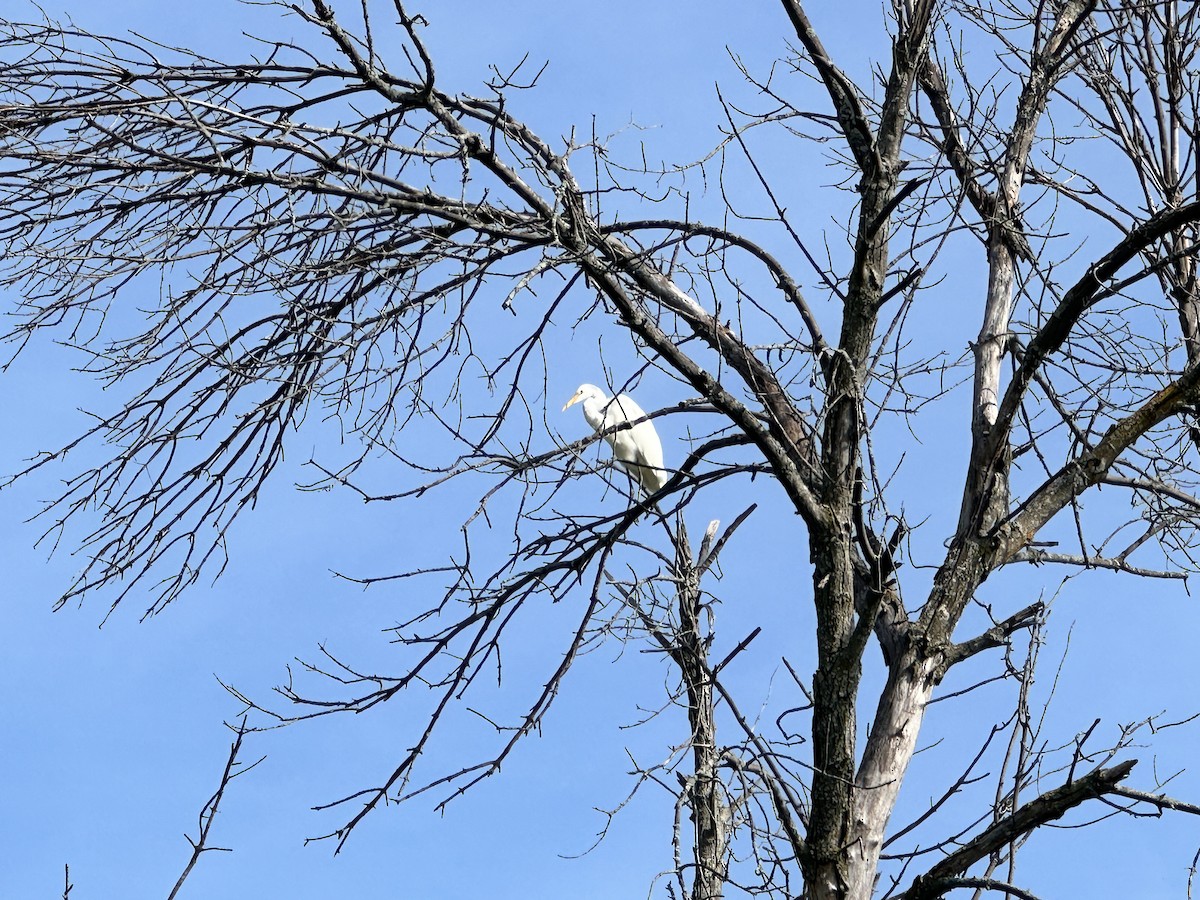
(1004, 290)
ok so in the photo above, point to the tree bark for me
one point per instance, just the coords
(705, 790)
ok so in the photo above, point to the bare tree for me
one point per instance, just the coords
(340, 238)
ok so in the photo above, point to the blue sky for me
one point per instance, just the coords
(113, 736)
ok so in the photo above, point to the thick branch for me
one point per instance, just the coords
(842, 91)
(1038, 556)
(1092, 466)
(996, 636)
(1087, 291)
(1046, 808)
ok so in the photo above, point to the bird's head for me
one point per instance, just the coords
(584, 392)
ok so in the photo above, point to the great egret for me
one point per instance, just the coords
(637, 448)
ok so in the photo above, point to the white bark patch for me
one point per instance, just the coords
(889, 751)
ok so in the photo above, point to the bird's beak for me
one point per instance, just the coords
(571, 403)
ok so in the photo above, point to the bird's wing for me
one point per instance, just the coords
(626, 409)
(647, 448)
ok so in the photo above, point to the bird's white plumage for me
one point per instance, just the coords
(637, 448)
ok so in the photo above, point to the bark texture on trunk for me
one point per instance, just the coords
(706, 793)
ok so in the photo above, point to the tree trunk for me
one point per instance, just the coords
(705, 791)
(885, 760)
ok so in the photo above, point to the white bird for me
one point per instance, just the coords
(637, 448)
